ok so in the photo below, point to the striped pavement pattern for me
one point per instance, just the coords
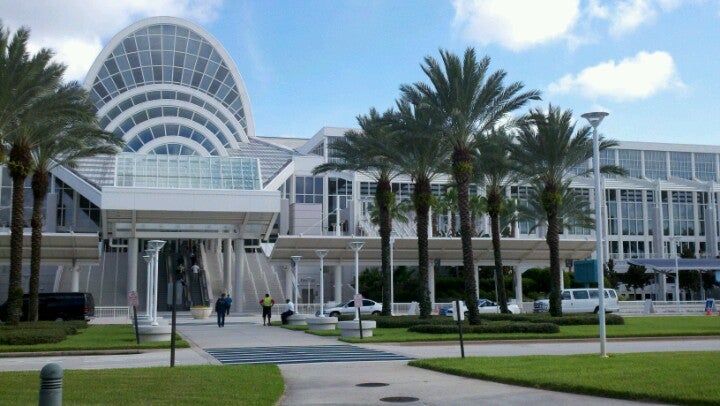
(300, 354)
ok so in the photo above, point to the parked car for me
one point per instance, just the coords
(59, 306)
(484, 306)
(368, 307)
(581, 301)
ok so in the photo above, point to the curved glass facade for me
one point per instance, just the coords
(166, 77)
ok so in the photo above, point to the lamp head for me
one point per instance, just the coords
(295, 259)
(595, 117)
(155, 245)
(321, 253)
(356, 245)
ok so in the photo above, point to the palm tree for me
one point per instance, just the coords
(470, 102)
(494, 170)
(420, 153)
(365, 152)
(61, 145)
(547, 152)
(26, 82)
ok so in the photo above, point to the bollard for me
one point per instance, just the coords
(51, 385)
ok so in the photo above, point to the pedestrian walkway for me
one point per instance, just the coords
(301, 354)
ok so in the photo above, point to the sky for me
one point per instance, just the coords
(654, 65)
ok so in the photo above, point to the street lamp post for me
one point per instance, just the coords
(296, 262)
(178, 273)
(392, 275)
(676, 244)
(356, 246)
(595, 118)
(321, 254)
(147, 258)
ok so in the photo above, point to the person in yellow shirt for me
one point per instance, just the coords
(267, 303)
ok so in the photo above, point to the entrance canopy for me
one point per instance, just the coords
(57, 249)
(448, 250)
(683, 264)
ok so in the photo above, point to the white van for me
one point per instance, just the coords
(581, 301)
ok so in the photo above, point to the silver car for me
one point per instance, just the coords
(368, 307)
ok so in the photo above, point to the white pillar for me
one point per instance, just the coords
(337, 278)
(431, 283)
(75, 273)
(239, 266)
(289, 277)
(227, 264)
(132, 265)
(519, 269)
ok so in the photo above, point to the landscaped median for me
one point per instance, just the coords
(687, 378)
(403, 328)
(73, 336)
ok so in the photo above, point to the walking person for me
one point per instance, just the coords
(196, 272)
(289, 311)
(267, 303)
(228, 301)
(221, 310)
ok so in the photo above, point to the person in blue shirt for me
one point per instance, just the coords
(221, 308)
(228, 301)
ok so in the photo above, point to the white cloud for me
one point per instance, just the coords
(77, 29)
(515, 24)
(630, 14)
(639, 77)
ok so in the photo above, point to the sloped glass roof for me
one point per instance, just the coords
(187, 172)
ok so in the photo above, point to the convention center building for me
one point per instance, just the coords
(194, 178)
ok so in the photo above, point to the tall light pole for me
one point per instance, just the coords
(392, 274)
(147, 257)
(676, 244)
(356, 246)
(321, 254)
(595, 118)
(296, 261)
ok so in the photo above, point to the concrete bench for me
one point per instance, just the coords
(297, 320)
(352, 328)
(321, 323)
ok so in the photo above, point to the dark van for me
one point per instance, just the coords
(61, 305)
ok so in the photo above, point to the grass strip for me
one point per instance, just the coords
(185, 385)
(100, 337)
(674, 377)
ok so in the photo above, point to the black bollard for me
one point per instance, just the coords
(51, 385)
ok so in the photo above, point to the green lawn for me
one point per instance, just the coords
(688, 378)
(186, 385)
(648, 326)
(100, 337)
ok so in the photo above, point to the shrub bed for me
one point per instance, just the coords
(566, 320)
(490, 327)
(41, 332)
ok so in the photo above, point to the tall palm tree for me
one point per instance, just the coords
(420, 153)
(470, 102)
(365, 152)
(26, 82)
(494, 171)
(547, 152)
(61, 145)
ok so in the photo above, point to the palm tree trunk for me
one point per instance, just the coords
(39, 188)
(422, 196)
(462, 172)
(18, 165)
(494, 202)
(552, 237)
(384, 197)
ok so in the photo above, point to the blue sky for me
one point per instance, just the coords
(654, 65)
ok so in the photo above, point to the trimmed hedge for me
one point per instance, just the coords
(29, 337)
(566, 320)
(490, 327)
(41, 332)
